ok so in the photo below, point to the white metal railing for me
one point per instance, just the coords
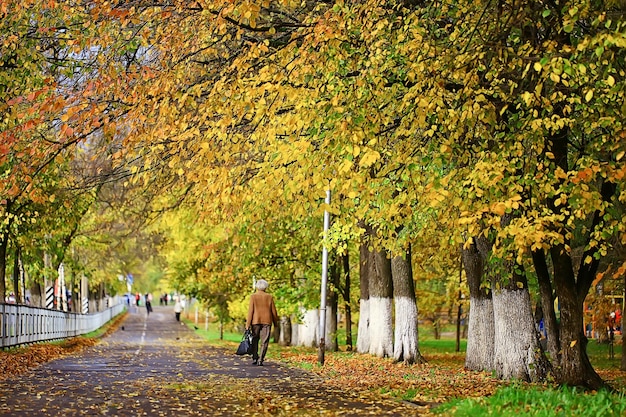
(20, 324)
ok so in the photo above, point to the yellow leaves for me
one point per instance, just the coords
(528, 98)
(369, 158)
(498, 208)
(555, 77)
(501, 207)
(610, 81)
(468, 243)
(589, 95)
(436, 197)
(560, 174)
(561, 200)
(346, 166)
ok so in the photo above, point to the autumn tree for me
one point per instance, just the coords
(551, 142)
(57, 72)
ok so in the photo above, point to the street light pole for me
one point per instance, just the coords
(322, 326)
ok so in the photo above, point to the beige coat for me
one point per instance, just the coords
(262, 309)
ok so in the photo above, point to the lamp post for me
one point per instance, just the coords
(322, 326)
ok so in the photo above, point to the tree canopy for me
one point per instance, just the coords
(437, 123)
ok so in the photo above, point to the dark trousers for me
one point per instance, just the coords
(260, 334)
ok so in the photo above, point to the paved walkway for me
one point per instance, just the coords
(154, 366)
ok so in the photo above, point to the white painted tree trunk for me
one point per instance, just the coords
(331, 329)
(480, 332)
(517, 354)
(286, 333)
(363, 335)
(295, 332)
(406, 347)
(381, 304)
(307, 331)
(480, 335)
(381, 325)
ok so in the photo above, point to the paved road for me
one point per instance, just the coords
(154, 366)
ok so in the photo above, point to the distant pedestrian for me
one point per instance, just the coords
(148, 303)
(610, 327)
(261, 315)
(178, 308)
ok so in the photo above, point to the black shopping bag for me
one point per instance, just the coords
(245, 347)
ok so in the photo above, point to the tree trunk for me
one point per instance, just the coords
(276, 333)
(4, 242)
(345, 261)
(19, 297)
(331, 308)
(36, 297)
(623, 367)
(481, 330)
(306, 331)
(75, 291)
(102, 297)
(517, 352)
(285, 331)
(547, 305)
(571, 290)
(381, 304)
(406, 343)
(575, 368)
(457, 346)
(363, 336)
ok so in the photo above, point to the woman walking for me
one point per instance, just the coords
(261, 315)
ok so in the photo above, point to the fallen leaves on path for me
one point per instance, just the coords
(19, 360)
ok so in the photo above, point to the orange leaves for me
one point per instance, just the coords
(441, 379)
(16, 363)
(583, 175)
(621, 271)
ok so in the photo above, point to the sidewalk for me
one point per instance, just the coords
(154, 366)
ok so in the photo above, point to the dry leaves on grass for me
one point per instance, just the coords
(616, 378)
(439, 380)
